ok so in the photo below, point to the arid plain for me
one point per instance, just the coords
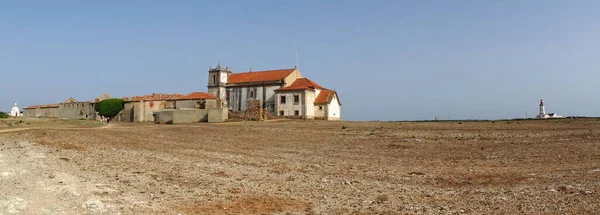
(300, 167)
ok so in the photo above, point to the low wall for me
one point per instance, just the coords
(217, 114)
(183, 116)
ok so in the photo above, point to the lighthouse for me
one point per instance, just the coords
(543, 114)
(542, 108)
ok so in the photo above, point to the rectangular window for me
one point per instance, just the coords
(320, 107)
(282, 99)
(296, 98)
(280, 113)
(296, 113)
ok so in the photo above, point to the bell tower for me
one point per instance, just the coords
(217, 79)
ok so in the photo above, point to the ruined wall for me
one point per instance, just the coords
(47, 112)
(208, 103)
(29, 112)
(255, 111)
(147, 109)
(129, 112)
(76, 110)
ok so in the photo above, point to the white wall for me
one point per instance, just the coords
(334, 109)
(223, 78)
(309, 101)
(289, 107)
(320, 113)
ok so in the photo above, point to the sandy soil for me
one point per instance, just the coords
(303, 167)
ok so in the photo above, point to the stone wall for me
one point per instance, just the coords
(254, 111)
(173, 116)
(76, 110)
(216, 115)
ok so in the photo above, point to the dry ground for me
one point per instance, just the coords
(302, 167)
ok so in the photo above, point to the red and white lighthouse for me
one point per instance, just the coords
(542, 108)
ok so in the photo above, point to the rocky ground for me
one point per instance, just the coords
(301, 167)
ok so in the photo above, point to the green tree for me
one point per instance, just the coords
(110, 107)
(3, 115)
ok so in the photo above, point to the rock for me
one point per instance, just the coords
(416, 173)
(501, 198)
(16, 205)
(346, 182)
(594, 171)
(93, 206)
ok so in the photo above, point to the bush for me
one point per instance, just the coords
(110, 107)
(344, 127)
(4, 115)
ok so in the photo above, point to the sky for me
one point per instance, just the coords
(388, 60)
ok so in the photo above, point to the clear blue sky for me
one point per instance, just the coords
(388, 60)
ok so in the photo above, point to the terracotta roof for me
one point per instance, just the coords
(199, 95)
(301, 84)
(326, 96)
(154, 97)
(259, 76)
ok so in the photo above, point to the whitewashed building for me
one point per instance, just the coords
(15, 112)
(307, 99)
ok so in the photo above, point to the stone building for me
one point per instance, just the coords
(73, 109)
(240, 88)
(194, 107)
(147, 108)
(69, 109)
(41, 111)
(143, 108)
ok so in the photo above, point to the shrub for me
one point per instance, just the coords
(344, 127)
(110, 107)
(4, 115)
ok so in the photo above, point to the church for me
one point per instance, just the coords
(282, 92)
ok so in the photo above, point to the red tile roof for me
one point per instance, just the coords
(259, 76)
(154, 97)
(199, 95)
(326, 96)
(301, 84)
